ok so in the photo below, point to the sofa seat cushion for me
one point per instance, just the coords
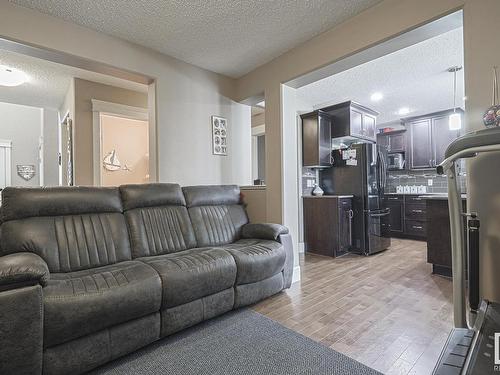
(84, 302)
(192, 274)
(256, 259)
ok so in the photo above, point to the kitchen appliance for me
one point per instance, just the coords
(395, 161)
(361, 171)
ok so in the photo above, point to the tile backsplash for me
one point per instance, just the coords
(438, 184)
(395, 178)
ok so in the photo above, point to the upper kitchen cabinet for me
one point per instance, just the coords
(316, 139)
(394, 141)
(429, 136)
(352, 121)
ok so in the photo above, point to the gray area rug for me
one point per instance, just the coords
(241, 342)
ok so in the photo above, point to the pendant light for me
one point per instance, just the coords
(455, 119)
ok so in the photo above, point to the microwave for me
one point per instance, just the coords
(396, 160)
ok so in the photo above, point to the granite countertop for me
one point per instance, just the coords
(439, 196)
(328, 196)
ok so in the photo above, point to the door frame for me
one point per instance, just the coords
(99, 108)
(256, 132)
(7, 144)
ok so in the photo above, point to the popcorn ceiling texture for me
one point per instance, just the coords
(225, 36)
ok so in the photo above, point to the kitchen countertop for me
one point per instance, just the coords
(439, 196)
(328, 196)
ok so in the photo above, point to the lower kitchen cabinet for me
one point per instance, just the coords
(439, 235)
(396, 206)
(407, 217)
(327, 225)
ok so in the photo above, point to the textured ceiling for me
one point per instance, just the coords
(48, 82)
(225, 36)
(415, 77)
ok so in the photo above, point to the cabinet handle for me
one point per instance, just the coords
(393, 199)
(417, 227)
(417, 211)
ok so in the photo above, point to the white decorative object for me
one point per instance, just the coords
(26, 172)
(219, 135)
(112, 164)
(317, 191)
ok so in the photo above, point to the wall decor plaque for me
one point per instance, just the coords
(26, 172)
(219, 135)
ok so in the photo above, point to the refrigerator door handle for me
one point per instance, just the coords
(379, 213)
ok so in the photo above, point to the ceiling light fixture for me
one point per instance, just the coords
(376, 96)
(11, 77)
(455, 119)
(403, 111)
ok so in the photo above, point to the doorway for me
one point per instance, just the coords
(121, 144)
(124, 150)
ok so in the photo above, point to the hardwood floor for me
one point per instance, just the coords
(387, 310)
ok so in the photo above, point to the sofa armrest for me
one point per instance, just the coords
(21, 269)
(263, 231)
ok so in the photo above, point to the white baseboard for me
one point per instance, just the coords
(296, 274)
(300, 247)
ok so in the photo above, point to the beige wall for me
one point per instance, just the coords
(129, 139)
(186, 97)
(259, 119)
(85, 91)
(255, 199)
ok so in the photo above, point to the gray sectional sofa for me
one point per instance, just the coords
(91, 274)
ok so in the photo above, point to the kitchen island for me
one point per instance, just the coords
(438, 233)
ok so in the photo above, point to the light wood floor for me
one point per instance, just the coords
(387, 310)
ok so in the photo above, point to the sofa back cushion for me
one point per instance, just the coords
(157, 218)
(216, 213)
(71, 228)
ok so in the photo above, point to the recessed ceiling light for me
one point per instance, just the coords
(403, 111)
(11, 77)
(376, 96)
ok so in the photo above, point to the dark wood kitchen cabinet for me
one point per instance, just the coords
(327, 225)
(396, 215)
(316, 139)
(394, 141)
(429, 136)
(352, 120)
(439, 235)
(407, 216)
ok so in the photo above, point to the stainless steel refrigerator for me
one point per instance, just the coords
(361, 171)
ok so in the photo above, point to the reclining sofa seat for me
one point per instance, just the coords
(197, 283)
(96, 303)
(220, 220)
(90, 274)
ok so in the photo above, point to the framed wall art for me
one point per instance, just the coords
(219, 135)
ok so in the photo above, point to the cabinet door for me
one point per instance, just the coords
(369, 126)
(442, 136)
(356, 123)
(345, 226)
(396, 215)
(397, 142)
(421, 145)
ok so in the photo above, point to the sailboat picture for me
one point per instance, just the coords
(112, 163)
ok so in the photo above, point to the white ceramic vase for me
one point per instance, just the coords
(317, 191)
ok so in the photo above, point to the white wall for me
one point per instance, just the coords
(186, 95)
(22, 125)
